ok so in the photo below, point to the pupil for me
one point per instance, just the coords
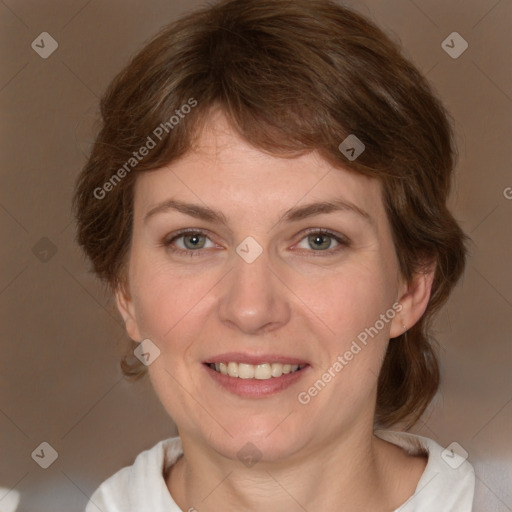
(320, 241)
(193, 241)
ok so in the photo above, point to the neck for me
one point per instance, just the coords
(335, 476)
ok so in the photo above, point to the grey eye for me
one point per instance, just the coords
(192, 241)
(318, 242)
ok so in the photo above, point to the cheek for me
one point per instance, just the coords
(348, 300)
(352, 350)
(350, 303)
(167, 302)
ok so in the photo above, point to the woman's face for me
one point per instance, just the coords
(262, 276)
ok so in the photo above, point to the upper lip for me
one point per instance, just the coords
(241, 357)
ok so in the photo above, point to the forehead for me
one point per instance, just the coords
(225, 171)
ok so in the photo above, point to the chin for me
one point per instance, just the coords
(263, 438)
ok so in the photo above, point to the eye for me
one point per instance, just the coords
(188, 241)
(322, 241)
(191, 242)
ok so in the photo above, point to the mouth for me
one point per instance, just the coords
(251, 376)
(263, 371)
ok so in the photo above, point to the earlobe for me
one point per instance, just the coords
(127, 310)
(414, 301)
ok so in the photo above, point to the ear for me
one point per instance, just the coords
(127, 309)
(413, 297)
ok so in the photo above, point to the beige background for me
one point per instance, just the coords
(61, 339)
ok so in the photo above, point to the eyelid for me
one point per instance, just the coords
(324, 231)
(168, 240)
(342, 240)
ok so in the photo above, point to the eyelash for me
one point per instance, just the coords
(342, 241)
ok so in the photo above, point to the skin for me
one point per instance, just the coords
(295, 300)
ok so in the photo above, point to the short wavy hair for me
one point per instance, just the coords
(292, 76)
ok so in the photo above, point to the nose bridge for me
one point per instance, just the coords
(253, 300)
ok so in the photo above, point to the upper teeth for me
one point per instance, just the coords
(255, 371)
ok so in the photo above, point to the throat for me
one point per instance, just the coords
(173, 476)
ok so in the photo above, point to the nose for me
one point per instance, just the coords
(254, 300)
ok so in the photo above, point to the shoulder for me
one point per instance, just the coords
(448, 478)
(140, 486)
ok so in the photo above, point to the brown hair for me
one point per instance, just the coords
(292, 76)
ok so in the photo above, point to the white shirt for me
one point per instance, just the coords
(9, 499)
(447, 483)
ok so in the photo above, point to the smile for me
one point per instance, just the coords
(264, 371)
(255, 378)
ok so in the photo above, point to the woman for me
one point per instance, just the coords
(267, 201)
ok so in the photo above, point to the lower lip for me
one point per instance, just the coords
(255, 388)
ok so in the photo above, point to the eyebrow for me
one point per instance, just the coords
(292, 215)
